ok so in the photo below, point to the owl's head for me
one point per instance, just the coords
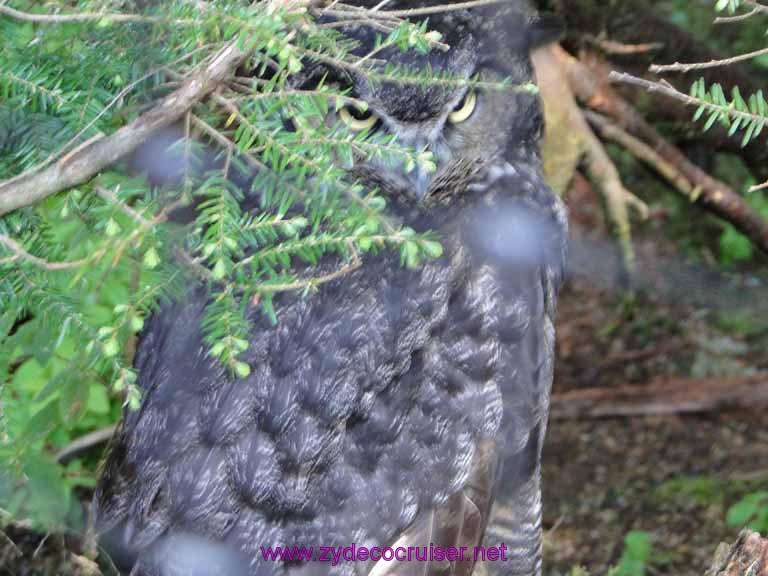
(466, 128)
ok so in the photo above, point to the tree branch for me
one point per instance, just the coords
(601, 169)
(642, 151)
(681, 67)
(84, 443)
(85, 163)
(713, 194)
(84, 17)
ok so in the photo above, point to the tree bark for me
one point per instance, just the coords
(676, 396)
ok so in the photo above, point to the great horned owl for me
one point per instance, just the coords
(389, 407)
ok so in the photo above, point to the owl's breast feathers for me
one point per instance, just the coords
(376, 411)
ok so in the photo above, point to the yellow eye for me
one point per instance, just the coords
(357, 120)
(464, 109)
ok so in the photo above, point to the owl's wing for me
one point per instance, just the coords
(458, 524)
(357, 418)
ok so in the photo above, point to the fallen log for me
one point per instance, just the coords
(664, 396)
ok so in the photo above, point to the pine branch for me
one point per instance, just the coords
(751, 117)
(680, 67)
(80, 167)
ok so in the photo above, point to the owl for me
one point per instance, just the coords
(386, 410)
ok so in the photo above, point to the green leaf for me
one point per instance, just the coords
(98, 400)
(242, 370)
(741, 512)
(432, 249)
(151, 258)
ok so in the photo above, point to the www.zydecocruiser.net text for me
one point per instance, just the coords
(336, 554)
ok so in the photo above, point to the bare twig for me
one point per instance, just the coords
(681, 67)
(427, 11)
(739, 18)
(84, 443)
(643, 152)
(621, 49)
(120, 95)
(15, 549)
(20, 254)
(758, 187)
(83, 17)
(714, 195)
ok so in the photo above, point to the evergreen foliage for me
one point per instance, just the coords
(80, 272)
(737, 114)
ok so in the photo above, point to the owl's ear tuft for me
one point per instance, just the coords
(547, 29)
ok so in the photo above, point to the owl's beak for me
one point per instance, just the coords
(420, 180)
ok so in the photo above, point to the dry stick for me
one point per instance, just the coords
(621, 49)
(757, 6)
(675, 396)
(84, 443)
(642, 151)
(120, 95)
(739, 18)
(681, 67)
(714, 195)
(20, 254)
(85, 17)
(758, 187)
(91, 160)
(412, 12)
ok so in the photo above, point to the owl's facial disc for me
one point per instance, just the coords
(441, 135)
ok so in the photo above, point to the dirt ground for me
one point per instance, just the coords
(672, 476)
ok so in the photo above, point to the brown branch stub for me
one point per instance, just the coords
(84, 443)
(683, 67)
(79, 167)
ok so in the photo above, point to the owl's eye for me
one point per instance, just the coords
(464, 108)
(356, 119)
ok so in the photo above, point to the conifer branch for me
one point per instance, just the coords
(79, 168)
(681, 67)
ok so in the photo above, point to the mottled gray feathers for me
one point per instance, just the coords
(386, 408)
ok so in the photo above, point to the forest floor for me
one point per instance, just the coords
(673, 477)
